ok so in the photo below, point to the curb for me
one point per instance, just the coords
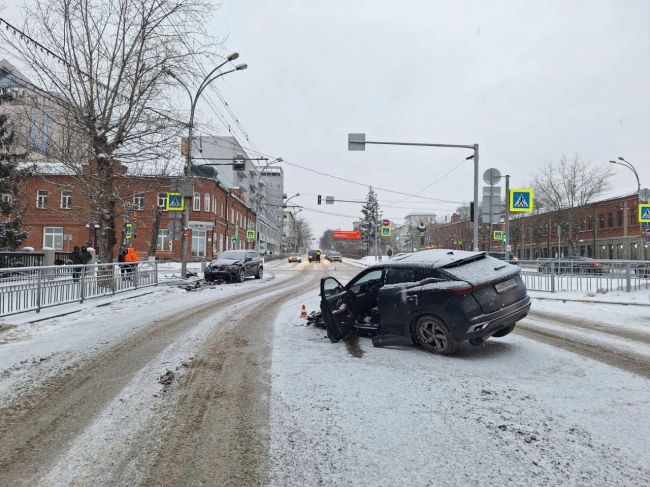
(564, 300)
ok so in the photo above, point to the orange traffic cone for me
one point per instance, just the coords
(303, 312)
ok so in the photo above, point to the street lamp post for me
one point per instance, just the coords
(358, 142)
(209, 78)
(622, 162)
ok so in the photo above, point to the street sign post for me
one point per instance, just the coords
(329, 200)
(128, 232)
(498, 235)
(521, 200)
(250, 234)
(644, 213)
(644, 194)
(175, 202)
(385, 231)
(492, 176)
(356, 141)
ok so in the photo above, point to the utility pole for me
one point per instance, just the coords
(507, 210)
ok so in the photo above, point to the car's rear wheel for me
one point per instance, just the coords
(434, 336)
(504, 331)
(260, 273)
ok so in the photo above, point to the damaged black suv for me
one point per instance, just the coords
(435, 298)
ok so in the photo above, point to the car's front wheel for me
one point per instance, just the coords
(241, 277)
(434, 336)
(260, 273)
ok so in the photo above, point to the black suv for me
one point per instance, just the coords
(235, 266)
(314, 255)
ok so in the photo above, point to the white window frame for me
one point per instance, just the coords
(214, 205)
(54, 237)
(66, 199)
(42, 197)
(199, 241)
(196, 202)
(206, 202)
(163, 241)
(138, 201)
(162, 201)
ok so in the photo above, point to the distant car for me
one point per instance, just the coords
(235, 266)
(313, 256)
(509, 256)
(334, 256)
(434, 298)
(572, 265)
(294, 257)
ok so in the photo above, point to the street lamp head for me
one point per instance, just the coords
(621, 158)
(239, 67)
(470, 157)
(613, 162)
(233, 56)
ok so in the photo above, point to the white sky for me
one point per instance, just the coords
(527, 80)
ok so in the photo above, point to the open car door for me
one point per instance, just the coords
(336, 313)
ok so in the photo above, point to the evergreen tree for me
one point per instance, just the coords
(370, 219)
(11, 179)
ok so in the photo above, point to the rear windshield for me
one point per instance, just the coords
(481, 270)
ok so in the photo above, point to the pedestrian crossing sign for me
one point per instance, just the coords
(498, 235)
(128, 231)
(644, 213)
(175, 202)
(521, 200)
(385, 231)
(250, 234)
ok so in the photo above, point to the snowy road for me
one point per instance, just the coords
(227, 386)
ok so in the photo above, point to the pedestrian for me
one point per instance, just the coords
(131, 258)
(389, 252)
(121, 259)
(77, 260)
(86, 256)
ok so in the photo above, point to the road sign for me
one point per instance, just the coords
(644, 213)
(356, 141)
(498, 235)
(492, 176)
(385, 222)
(128, 232)
(250, 234)
(329, 200)
(385, 231)
(175, 202)
(521, 200)
(644, 194)
(347, 234)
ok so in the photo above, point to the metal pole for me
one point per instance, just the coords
(507, 211)
(490, 224)
(476, 212)
(186, 211)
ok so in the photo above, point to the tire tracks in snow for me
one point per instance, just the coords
(40, 425)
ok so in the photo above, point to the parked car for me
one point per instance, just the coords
(572, 265)
(509, 256)
(434, 298)
(235, 266)
(313, 256)
(294, 257)
(334, 256)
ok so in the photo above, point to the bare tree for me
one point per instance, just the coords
(303, 233)
(108, 67)
(566, 187)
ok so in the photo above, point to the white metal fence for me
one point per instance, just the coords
(555, 275)
(34, 288)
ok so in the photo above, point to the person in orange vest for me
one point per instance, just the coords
(132, 258)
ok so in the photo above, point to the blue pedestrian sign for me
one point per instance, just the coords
(644, 213)
(175, 202)
(521, 200)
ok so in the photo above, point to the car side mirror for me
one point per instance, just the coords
(248, 259)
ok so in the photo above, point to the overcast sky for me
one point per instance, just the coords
(527, 80)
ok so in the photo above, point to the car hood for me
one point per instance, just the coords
(225, 262)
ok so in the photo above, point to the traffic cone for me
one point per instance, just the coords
(303, 312)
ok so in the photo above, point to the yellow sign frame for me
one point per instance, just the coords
(175, 208)
(642, 207)
(497, 235)
(511, 203)
(386, 231)
(250, 234)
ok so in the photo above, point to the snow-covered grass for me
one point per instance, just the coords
(515, 412)
(641, 297)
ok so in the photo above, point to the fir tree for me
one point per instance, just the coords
(370, 219)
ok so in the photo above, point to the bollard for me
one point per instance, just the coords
(552, 278)
(83, 283)
(628, 278)
(39, 290)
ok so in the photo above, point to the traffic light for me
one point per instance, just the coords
(320, 199)
(471, 211)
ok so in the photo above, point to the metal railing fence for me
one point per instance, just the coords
(555, 275)
(34, 288)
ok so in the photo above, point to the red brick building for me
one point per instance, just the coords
(607, 229)
(59, 214)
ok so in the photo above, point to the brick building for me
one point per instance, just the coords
(607, 229)
(59, 214)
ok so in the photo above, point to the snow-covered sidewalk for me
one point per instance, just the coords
(516, 412)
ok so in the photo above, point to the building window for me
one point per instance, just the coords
(619, 218)
(138, 201)
(214, 205)
(610, 220)
(53, 237)
(163, 240)
(6, 198)
(601, 220)
(198, 243)
(66, 200)
(590, 223)
(206, 202)
(162, 200)
(41, 198)
(33, 127)
(196, 202)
